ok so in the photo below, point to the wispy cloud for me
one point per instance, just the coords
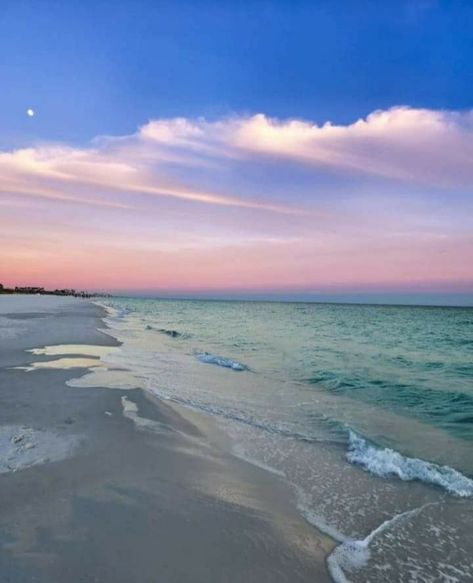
(246, 201)
(421, 145)
(129, 165)
(415, 145)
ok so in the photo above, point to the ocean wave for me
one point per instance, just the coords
(121, 312)
(387, 462)
(452, 410)
(239, 416)
(170, 333)
(209, 358)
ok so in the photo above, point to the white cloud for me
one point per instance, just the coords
(421, 145)
(414, 145)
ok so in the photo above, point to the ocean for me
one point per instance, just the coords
(366, 411)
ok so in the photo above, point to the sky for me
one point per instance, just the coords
(263, 149)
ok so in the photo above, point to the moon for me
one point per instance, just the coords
(30, 112)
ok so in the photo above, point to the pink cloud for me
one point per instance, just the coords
(419, 145)
(157, 209)
(416, 145)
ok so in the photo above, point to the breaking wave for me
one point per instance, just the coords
(387, 462)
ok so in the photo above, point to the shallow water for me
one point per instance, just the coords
(367, 411)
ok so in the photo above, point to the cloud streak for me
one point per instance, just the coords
(246, 201)
(415, 145)
(421, 145)
(129, 167)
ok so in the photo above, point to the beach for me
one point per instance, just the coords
(236, 292)
(114, 484)
(363, 412)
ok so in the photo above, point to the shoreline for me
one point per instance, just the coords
(386, 510)
(138, 472)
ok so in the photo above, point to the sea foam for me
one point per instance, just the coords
(209, 358)
(353, 555)
(387, 462)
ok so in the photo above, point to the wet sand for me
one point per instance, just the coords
(117, 486)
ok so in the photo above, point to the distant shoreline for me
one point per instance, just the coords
(32, 290)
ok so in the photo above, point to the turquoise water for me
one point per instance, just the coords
(366, 410)
(416, 361)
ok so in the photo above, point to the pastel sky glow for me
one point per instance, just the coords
(245, 200)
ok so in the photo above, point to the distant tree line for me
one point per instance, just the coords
(43, 291)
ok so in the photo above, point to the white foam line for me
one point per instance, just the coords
(238, 451)
(110, 311)
(354, 554)
(315, 519)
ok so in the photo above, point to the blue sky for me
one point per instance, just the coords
(102, 67)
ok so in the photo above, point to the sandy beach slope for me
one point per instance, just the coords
(109, 485)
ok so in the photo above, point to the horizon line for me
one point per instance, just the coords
(413, 301)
